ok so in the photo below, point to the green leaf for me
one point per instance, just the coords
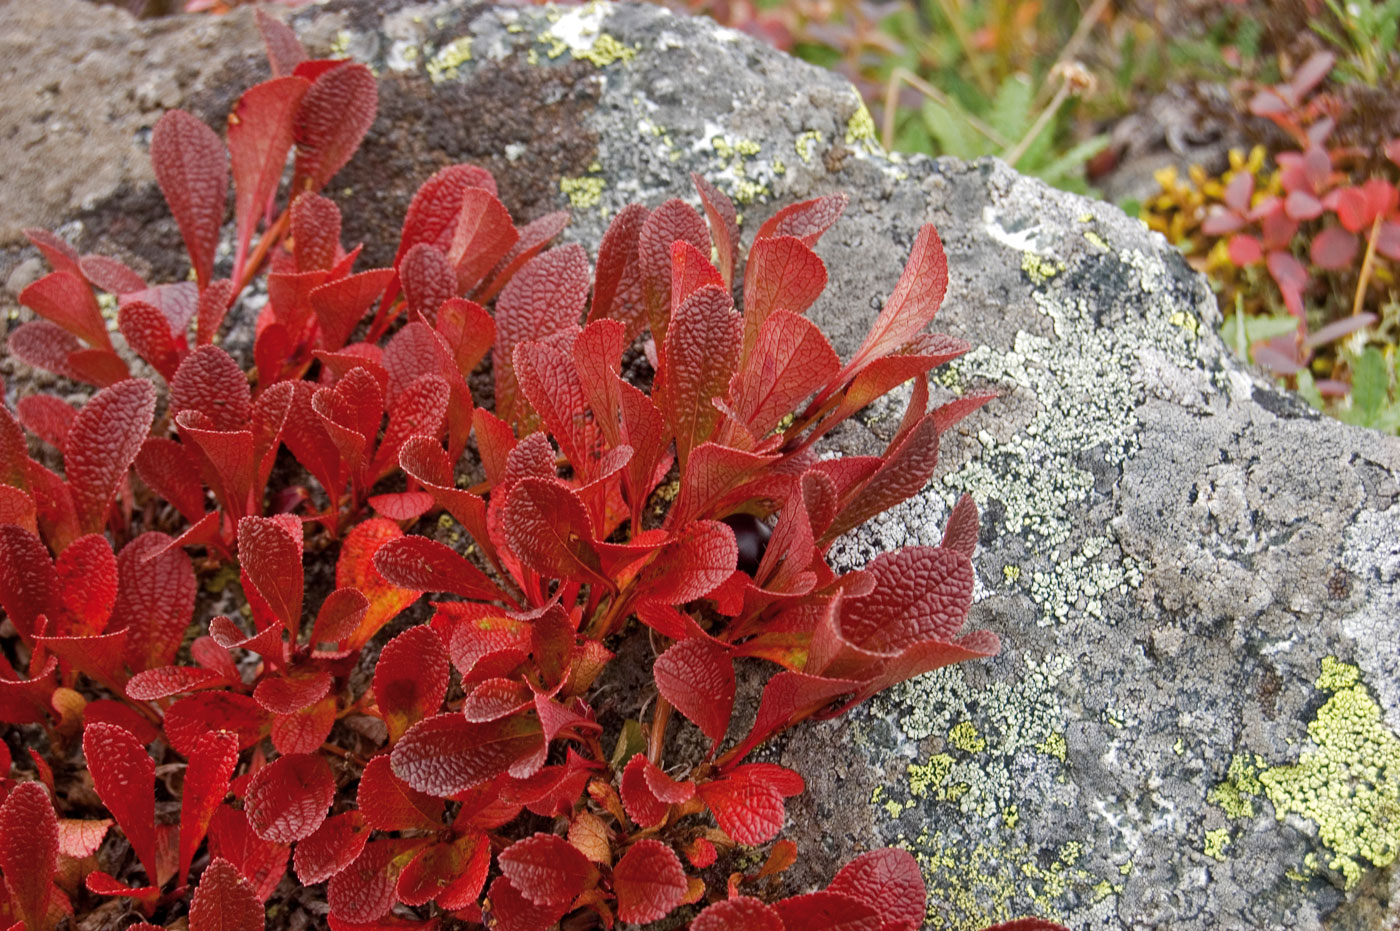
(1369, 385)
(1010, 113)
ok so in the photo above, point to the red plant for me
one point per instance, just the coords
(487, 710)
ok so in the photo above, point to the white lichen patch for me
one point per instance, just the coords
(737, 165)
(975, 769)
(580, 33)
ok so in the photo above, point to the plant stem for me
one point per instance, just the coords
(270, 236)
(953, 12)
(656, 740)
(905, 76)
(1087, 22)
(1014, 155)
(1359, 298)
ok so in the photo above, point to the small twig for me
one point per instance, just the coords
(980, 74)
(1366, 264)
(905, 76)
(270, 236)
(656, 740)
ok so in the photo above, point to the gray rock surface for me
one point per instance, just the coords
(1193, 722)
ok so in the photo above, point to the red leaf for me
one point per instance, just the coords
(210, 381)
(642, 804)
(364, 891)
(426, 565)
(890, 882)
(339, 617)
(305, 730)
(288, 799)
(673, 221)
(1333, 248)
(649, 881)
(960, 533)
(697, 677)
(902, 474)
(690, 271)
(483, 235)
(741, 913)
(80, 839)
(791, 360)
(29, 851)
(511, 911)
(60, 255)
(617, 288)
(432, 215)
(550, 380)
(748, 802)
(168, 470)
(724, 225)
(806, 221)
(340, 305)
(546, 868)
(155, 599)
(191, 718)
(47, 346)
(315, 231)
(225, 901)
(421, 410)
(702, 353)
(790, 697)
(447, 754)
(334, 116)
(827, 911)
(335, 845)
(410, 679)
(782, 274)
(28, 583)
(453, 874)
(164, 681)
(390, 804)
(206, 784)
(911, 307)
(110, 275)
(106, 436)
(261, 862)
(148, 334)
(547, 296)
(428, 280)
(284, 51)
(534, 236)
(67, 300)
(1244, 250)
(547, 527)
(1026, 924)
(692, 564)
(14, 451)
(355, 569)
(291, 691)
(124, 776)
(270, 554)
(260, 127)
(192, 168)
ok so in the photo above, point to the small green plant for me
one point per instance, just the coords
(1365, 36)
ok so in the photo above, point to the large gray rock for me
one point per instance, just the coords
(1193, 721)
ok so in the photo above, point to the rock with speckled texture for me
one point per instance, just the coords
(1193, 722)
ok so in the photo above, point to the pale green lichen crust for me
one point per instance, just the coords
(1346, 786)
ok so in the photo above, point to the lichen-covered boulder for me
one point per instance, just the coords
(1193, 722)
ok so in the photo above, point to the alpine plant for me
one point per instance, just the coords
(691, 512)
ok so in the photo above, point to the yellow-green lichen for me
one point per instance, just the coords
(1055, 746)
(1039, 269)
(1010, 817)
(1097, 240)
(964, 737)
(1349, 786)
(584, 192)
(340, 44)
(930, 780)
(444, 65)
(1011, 573)
(860, 128)
(1186, 321)
(605, 51)
(803, 145)
(1216, 842)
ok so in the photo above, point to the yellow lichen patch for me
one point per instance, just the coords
(1039, 270)
(605, 51)
(1216, 842)
(340, 44)
(1186, 321)
(1233, 796)
(1011, 573)
(860, 128)
(583, 193)
(1055, 746)
(803, 145)
(964, 737)
(930, 779)
(1010, 817)
(444, 65)
(1349, 786)
(1097, 240)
